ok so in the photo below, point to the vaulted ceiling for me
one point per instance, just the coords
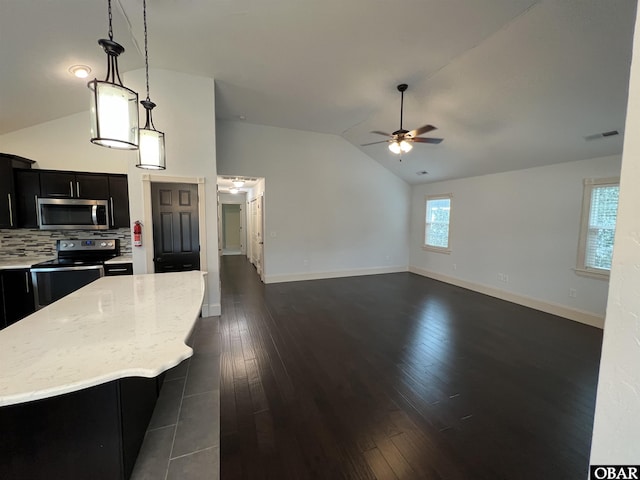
(509, 83)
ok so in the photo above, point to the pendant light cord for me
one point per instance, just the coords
(110, 20)
(146, 51)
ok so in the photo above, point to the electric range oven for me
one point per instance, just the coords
(79, 262)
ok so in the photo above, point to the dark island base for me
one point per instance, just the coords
(94, 433)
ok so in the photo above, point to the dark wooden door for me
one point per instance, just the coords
(17, 291)
(175, 227)
(119, 201)
(27, 194)
(58, 184)
(7, 200)
(92, 186)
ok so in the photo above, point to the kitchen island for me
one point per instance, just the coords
(79, 378)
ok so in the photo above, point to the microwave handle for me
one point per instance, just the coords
(94, 214)
(113, 221)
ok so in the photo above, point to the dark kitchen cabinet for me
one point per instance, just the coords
(57, 184)
(93, 186)
(119, 201)
(17, 295)
(115, 269)
(7, 195)
(27, 183)
(8, 211)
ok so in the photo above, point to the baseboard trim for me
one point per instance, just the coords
(553, 308)
(214, 310)
(297, 277)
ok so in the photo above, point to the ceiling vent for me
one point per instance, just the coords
(595, 136)
(422, 172)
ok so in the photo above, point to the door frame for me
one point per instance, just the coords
(243, 223)
(147, 220)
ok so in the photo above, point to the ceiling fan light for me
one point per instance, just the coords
(395, 147)
(405, 146)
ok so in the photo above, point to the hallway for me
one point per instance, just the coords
(398, 376)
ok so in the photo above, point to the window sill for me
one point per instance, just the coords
(592, 273)
(436, 249)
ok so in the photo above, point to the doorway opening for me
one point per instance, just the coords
(241, 219)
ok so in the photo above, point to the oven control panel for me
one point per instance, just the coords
(87, 245)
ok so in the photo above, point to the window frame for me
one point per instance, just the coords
(581, 267)
(434, 248)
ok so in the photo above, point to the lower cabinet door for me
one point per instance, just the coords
(17, 291)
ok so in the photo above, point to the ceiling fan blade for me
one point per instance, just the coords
(427, 140)
(421, 130)
(373, 143)
(378, 132)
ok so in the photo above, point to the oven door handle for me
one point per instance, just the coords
(67, 269)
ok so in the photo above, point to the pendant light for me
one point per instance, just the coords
(151, 153)
(114, 107)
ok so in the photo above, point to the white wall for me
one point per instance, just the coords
(329, 209)
(524, 224)
(64, 144)
(617, 418)
(186, 113)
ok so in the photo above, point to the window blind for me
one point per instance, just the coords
(437, 222)
(601, 227)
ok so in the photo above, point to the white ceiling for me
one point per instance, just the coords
(509, 83)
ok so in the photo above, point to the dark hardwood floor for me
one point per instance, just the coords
(398, 376)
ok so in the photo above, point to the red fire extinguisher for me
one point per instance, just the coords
(137, 234)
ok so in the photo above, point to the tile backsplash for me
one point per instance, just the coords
(23, 242)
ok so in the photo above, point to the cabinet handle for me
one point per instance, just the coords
(116, 270)
(71, 188)
(10, 210)
(113, 222)
(78, 189)
(35, 197)
(26, 280)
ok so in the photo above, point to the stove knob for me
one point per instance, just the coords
(72, 244)
(63, 245)
(103, 244)
(110, 244)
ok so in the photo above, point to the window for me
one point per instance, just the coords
(436, 231)
(598, 226)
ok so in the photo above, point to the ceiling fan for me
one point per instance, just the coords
(400, 141)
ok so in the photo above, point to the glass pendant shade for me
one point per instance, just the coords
(405, 146)
(395, 147)
(151, 152)
(114, 115)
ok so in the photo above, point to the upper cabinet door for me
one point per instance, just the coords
(7, 197)
(58, 184)
(92, 186)
(119, 201)
(27, 194)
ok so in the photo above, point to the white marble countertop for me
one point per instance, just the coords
(120, 259)
(22, 262)
(115, 327)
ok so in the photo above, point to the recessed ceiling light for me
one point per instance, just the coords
(80, 71)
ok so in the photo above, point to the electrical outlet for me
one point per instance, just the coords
(506, 278)
(573, 293)
(305, 262)
(455, 266)
(501, 277)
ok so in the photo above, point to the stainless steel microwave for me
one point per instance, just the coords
(72, 214)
